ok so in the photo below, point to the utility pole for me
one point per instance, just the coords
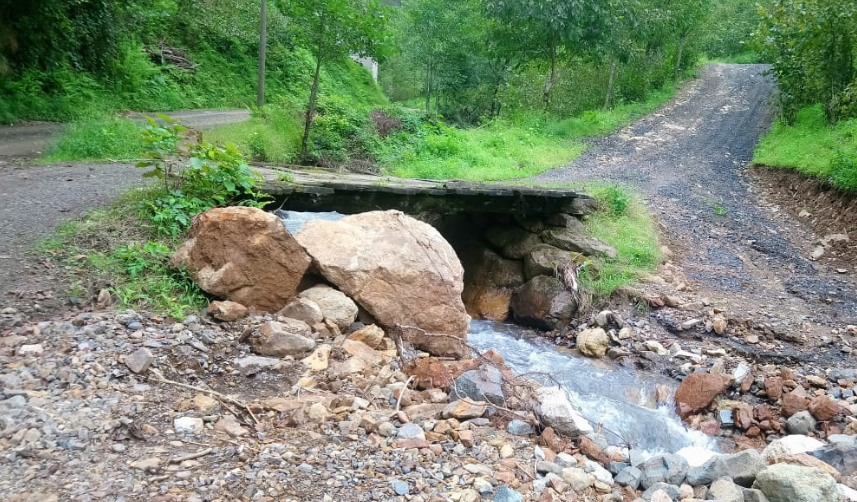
(263, 44)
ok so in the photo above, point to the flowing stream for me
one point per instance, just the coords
(622, 400)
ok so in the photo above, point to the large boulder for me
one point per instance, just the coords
(544, 258)
(741, 467)
(543, 302)
(481, 384)
(792, 483)
(512, 241)
(572, 240)
(697, 391)
(842, 456)
(489, 282)
(245, 255)
(401, 270)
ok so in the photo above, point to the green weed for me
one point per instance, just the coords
(114, 139)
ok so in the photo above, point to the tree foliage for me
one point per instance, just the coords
(811, 45)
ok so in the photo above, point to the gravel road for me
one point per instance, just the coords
(689, 161)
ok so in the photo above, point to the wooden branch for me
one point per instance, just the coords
(190, 456)
(160, 378)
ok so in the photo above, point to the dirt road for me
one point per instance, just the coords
(689, 160)
(32, 139)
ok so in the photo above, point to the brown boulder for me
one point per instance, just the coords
(245, 255)
(793, 403)
(543, 302)
(823, 408)
(401, 270)
(697, 391)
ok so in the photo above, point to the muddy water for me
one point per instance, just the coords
(621, 400)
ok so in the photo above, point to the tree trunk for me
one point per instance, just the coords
(610, 84)
(678, 57)
(263, 45)
(546, 96)
(428, 86)
(310, 111)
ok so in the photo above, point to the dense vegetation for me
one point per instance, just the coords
(474, 83)
(812, 44)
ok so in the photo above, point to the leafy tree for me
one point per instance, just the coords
(684, 16)
(811, 46)
(334, 29)
(549, 30)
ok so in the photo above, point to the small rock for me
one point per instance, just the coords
(697, 391)
(188, 425)
(483, 384)
(205, 403)
(727, 491)
(720, 324)
(139, 360)
(411, 431)
(148, 464)
(506, 494)
(280, 339)
(593, 342)
(319, 360)
(464, 410)
(519, 428)
(33, 350)
(791, 483)
(303, 309)
(401, 488)
(227, 311)
(817, 253)
(801, 423)
(371, 335)
(230, 425)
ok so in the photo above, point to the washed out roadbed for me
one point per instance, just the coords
(733, 243)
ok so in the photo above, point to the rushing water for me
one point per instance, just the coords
(620, 399)
(295, 220)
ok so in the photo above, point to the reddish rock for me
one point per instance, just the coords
(552, 441)
(591, 450)
(793, 403)
(743, 416)
(710, 427)
(754, 432)
(787, 374)
(774, 388)
(823, 408)
(762, 412)
(429, 373)
(747, 383)
(245, 255)
(697, 391)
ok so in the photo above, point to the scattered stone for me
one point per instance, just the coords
(506, 494)
(411, 431)
(697, 391)
(520, 428)
(139, 360)
(371, 335)
(741, 467)
(662, 491)
(148, 464)
(205, 403)
(319, 360)
(670, 469)
(719, 323)
(401, 488)
(629, 476)
(555, 410)
(188, 425)
(464, 410)
(336, 307)
(727, 491)
(32, 350)
(794, 402)
(823, 408)
(801, 423)
(281, 339)
(227, 311)
(577, 479)
(593, 342)
(230, 425)
(482, 384)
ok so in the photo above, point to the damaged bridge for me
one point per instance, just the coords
(350, 193)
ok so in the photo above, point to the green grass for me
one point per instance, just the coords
(273, 136)
(748, 57)
(519, 146)
(114, 248)
(814, 148)
(112, 139)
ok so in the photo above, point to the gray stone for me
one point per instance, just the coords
(616, 467)
(411, 431)
(543, 302)
(741, 467)
(555, 410)
(793, 483)
(571, 240)
(139, 360)
(577, 479)
(544, 259)
(401, 488)
(188, 425)
(629, 476)
(519, 428)
(727, 491)
(303, 309)
(512, 242)
(279, 339)
(544, 466)
(801, 422)
(334, 304)
(671, 469)
(563, 220)
(841, 455)
(506, 494)
(256, 363)
(671, 490)
(483, 384)
(751, 495)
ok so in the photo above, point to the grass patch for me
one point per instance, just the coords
(115, 248)
(114, 139)
(519, 146)
(814, 148)
(747, 57)
(273, 135)
(631, 232)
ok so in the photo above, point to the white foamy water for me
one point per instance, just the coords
(622, 400)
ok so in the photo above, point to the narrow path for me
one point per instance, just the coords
(37, 198)
(32, 139)
(689, 161)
